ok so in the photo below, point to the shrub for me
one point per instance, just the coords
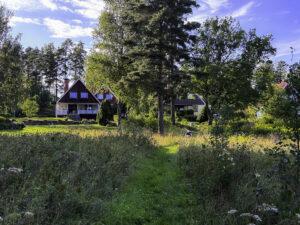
(30, 107)
(7, 124)
(105, 113)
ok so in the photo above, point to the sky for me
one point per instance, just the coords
(44, 21)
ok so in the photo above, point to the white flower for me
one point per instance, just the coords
(232, 211)
(28, 214)
(257, 218)
(15, 170)
(1, 219)
(246, 215)
(268, 208)
(257, 175)
(2, 169)
(251, 224)
(298, 216)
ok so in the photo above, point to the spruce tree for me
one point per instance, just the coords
(158, 39)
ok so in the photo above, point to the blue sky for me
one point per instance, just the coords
(44, 21)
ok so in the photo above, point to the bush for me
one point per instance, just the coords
(7, 124)
(105, 113)
(30, 107)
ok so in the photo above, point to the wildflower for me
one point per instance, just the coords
(15, 170)
(298, 216)
(2, 169)
(257, 175)
(251, 224)
(257, 218)
(28, 214)
(1, 219)
(268, 208)
(246, 215)
(232, 211)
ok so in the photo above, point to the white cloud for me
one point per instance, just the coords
(243, 10)
(215, 5)
(21, 4)
(60, 29)
(33, 5)
(49, 4)
(90, 9)
(77, 21)
(16, 19)
(284, 48)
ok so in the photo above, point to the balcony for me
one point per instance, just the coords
(61, 112)
(87, 112)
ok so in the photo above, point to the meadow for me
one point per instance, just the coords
(89, 174)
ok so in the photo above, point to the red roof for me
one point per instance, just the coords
(283, 85)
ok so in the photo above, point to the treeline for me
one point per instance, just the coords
(34, 74)
(149, 53)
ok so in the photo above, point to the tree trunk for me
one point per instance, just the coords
(161, 128)
(173, 119)
(119, 115)
(209, 114)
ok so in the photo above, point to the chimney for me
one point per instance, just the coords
(66, 85)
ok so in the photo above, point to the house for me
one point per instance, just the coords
(193, 102)
(79, 102)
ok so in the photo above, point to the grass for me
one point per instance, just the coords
(64, 175)
(129, 180)
(155, 195)
(80, 130)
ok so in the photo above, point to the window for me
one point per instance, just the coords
(73, 95)
(84, 95)
(109, 97)
(100, 96)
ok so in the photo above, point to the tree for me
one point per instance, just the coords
(157, 38)
(32, 69)
(281, 71)
(77, 57)
(263, 81)
(64, 59)
(224, 60)
(50, 68)
(11, 77)
(30, 107)
(107, 65)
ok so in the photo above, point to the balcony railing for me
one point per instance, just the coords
(88, 112)
(61, 112)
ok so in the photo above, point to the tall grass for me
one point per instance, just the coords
(63, 178)
(239, 185)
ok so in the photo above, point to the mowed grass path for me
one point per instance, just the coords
(155, 195)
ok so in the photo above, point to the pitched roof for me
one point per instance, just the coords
(283, 84)
(81, 85)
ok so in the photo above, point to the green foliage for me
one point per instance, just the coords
(7, 124)
(225, 57)
(105, 113)
(230, 181)
(62, 178)
(30, 107)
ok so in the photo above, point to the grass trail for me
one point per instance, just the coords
(155, 195)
